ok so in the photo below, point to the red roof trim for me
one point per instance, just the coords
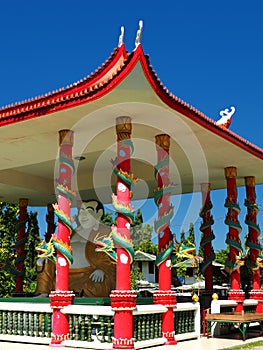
(191, 112)
(70, 96)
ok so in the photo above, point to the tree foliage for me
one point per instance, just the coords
(186, 240)
(147, 247)
(221, 255)
(141, 234)
(33, 240)
(108, 219)
(191, 235)
(8, 236)
(182, 237)
(135, 276)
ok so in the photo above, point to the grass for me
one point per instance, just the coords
(246, 346)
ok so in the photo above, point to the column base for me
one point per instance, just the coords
(167, 298)
(60, 329)
(239, 296)
(257, 294)
(170, 338)
(123, 302)
(61, 298)
(121, 344)
(236, 294)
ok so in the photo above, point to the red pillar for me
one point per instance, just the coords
(164, 295)
(51, 227)
(123, 300)
(207, 237)
(252, 240)
(20, 245)
(233, 263)
(62, 297)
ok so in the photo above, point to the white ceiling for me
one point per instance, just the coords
(29, 149)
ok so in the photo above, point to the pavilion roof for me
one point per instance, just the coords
(125, 84)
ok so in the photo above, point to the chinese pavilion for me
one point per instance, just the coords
(57, 148)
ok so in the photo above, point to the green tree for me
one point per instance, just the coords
(191, 235)
(138, 219)
(201, 251)
(220, 275)
(108, 219)
(140, 234)
(136, 229)
(147, 247)
(33, 240)
(135, 276)
(182, 270)
(182, 237)
(8, 236)
(221, 255)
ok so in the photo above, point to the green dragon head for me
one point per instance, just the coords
(46, 250)
(185, 251)
(106, 244)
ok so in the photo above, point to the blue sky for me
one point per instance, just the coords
(207, 53)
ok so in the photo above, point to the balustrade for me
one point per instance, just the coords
(25, 320)
(32, 322)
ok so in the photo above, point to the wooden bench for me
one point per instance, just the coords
(241, 320)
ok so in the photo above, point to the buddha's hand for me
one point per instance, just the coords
(41, 261)
(97, 276)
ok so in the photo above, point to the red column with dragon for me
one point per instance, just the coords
(254, 260)
(123, 300)
(235, 259)
(62, 297)
(164, 295)
(20, 245)
(207, 237)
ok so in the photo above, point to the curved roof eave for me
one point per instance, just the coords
(191, 112)
(116, 68)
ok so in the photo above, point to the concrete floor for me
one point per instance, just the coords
(197, 344)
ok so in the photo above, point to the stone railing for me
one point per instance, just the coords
(187, 321)
(25, 322)
(95, 325)
(92, 326)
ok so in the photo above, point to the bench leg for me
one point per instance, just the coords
(243, 329)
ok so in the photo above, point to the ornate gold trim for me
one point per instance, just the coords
(250, 181)
(66, 137)
(230, 172)
(123, 125)
(163, 141)
(23, 202)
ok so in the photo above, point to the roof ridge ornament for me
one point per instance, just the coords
(226, 117)
(121, 37)
(138, 39)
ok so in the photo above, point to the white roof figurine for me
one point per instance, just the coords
(139, 35)
(121, 37)
(226, 117)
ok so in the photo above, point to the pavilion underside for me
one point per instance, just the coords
(28, 161)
